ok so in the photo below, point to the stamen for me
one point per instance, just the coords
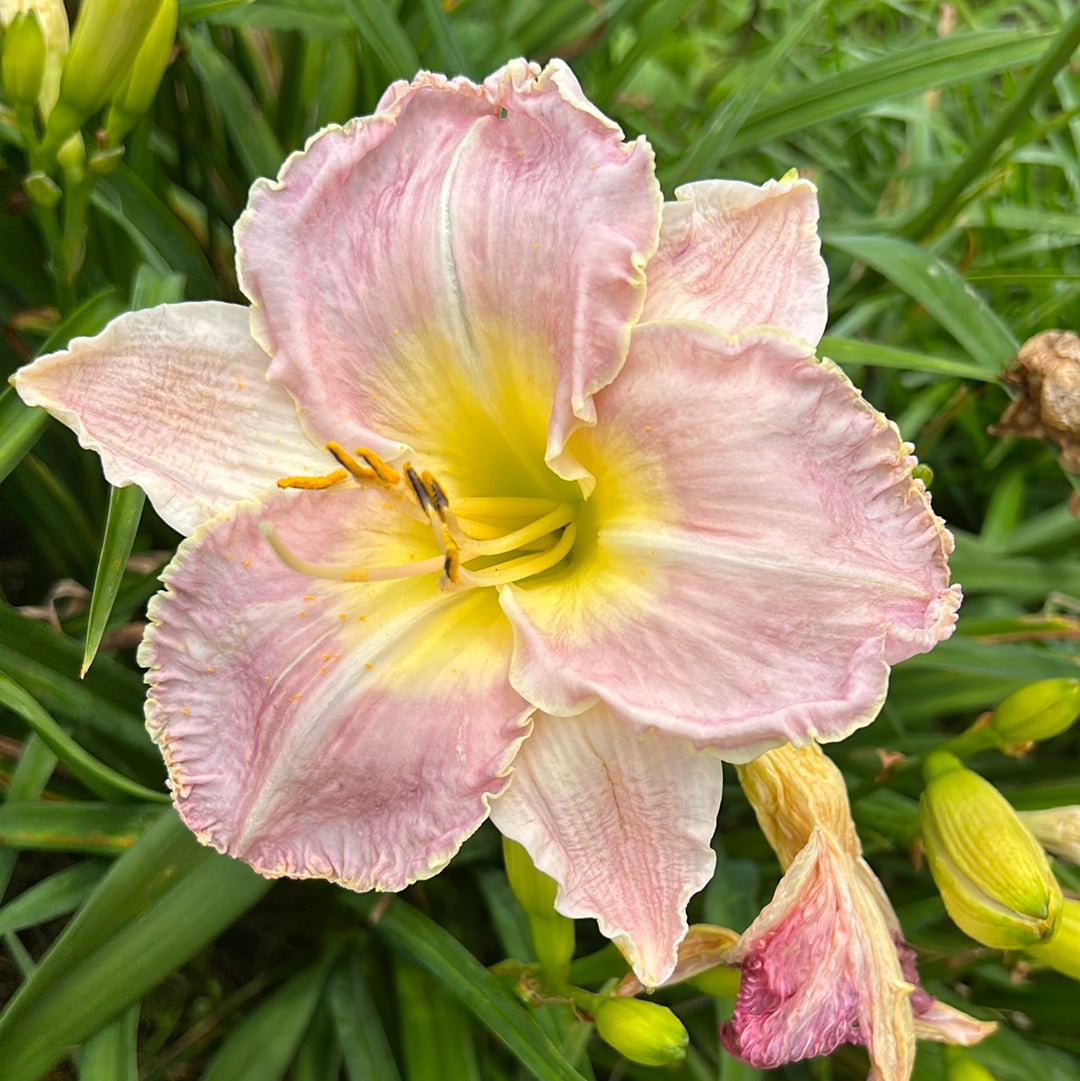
(348, 574)
(359, 471)
(314, 483)
(562, 515)
(513, 570)
(379, 467)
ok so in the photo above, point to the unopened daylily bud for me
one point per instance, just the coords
(992, 875)
(136, 93)
(1038, 711)
(644, 1032)
(1062, 952)
(53, 23)
(961, 1066)
(107, 37)
(23, 59)
(552, 934)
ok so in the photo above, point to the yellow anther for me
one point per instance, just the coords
(378, 466)
(314, 483)
(361, 472)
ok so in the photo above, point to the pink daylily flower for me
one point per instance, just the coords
(825, 962)
(607, 520)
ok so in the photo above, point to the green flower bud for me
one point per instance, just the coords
(24, 59)
(1038, 711)
(136, 93)
(642, 1032)
(960, 1066)
(107, 36)
(991, 872)
(1062, 952)
(552, 934)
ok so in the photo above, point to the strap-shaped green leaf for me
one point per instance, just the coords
(939, 289)
(426, 943)
(99, 778)
(159, 904)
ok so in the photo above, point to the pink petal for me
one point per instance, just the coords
(622, 820)
(350, 731)
(755, 554)
(175, 399)
(819, 968)
(736, 255)
(400, 261)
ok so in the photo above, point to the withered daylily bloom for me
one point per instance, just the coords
(825, 963)
(515, 491)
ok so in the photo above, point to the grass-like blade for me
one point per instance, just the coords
(95, 828)
(121, 525)
(110, 1054)
(939, 289)
(851, 351)
(436, 950)
(380, 29)
(250, 131)
(359, 1028)
(54, 896)
(162, 901)
(98, 777)
(265, 1043)
(160, 238)
(928, 65)
(718, 134)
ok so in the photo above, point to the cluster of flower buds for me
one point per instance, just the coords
(116, 57)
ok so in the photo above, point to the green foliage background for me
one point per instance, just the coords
(945, 141)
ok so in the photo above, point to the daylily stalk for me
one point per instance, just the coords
(484, 496)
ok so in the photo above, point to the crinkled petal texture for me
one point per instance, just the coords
(175, 399)
(753, 558)
(353, 731)
(622, 820)
(737, 255)
(820, 968)
(457, 227)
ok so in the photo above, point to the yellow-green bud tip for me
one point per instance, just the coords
(991, 872)
(643, 1032)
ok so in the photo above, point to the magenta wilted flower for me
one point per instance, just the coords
(515, 491)
(825, 962)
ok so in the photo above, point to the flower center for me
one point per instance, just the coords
(482, 540)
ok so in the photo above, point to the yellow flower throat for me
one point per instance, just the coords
(536, 534)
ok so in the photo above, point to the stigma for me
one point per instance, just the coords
(479, 541)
